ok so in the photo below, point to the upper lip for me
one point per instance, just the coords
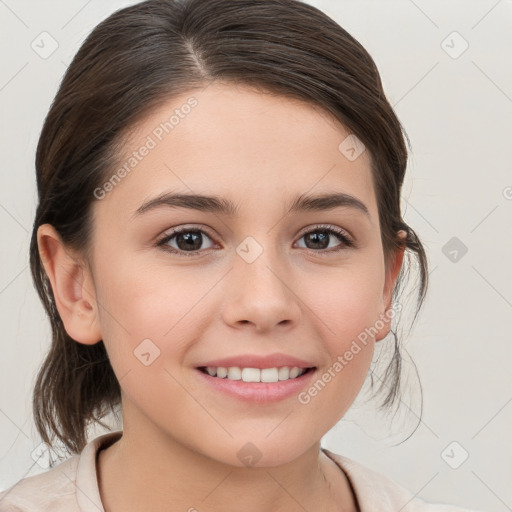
(256, 361)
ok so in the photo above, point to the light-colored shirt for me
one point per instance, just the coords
(72, 486)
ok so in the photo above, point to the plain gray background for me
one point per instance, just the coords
(446, 70)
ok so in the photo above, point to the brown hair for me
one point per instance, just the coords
(138, 58)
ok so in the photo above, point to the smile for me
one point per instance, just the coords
(266, 375)
(257, 385)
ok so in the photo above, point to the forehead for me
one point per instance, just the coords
(240, 143)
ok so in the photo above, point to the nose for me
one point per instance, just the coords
(260, 294)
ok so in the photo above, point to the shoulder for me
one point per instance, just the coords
(375, 491)
(52, 490)
(71, 486)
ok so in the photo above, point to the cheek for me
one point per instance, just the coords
(345, 301)
(150, 311)
(345, 307)
(350, 350)
(143, 326)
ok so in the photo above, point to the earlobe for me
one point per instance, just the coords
(391, 277)
(72, 286)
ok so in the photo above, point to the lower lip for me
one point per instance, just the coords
(261, 392)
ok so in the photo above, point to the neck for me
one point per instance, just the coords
(153, 468)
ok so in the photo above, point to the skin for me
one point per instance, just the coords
(181, 437)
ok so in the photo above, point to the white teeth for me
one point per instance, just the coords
(284, 373)
(249, 374)
(269, 375)
(255, 374)
(222, 372)
(294, 372)
(234, 373)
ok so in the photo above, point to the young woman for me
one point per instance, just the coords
(219, 246)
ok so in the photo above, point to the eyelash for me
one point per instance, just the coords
(346, 241)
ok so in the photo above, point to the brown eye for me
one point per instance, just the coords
(185, 240)
(325, 238)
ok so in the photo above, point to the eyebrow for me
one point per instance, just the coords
(224, 206)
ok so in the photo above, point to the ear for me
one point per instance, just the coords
(72, 286)
(392, 272)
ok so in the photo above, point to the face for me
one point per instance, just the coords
(260, 278)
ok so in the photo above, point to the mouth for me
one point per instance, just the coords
(256, 375)
(257, 378)
(257, 385)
